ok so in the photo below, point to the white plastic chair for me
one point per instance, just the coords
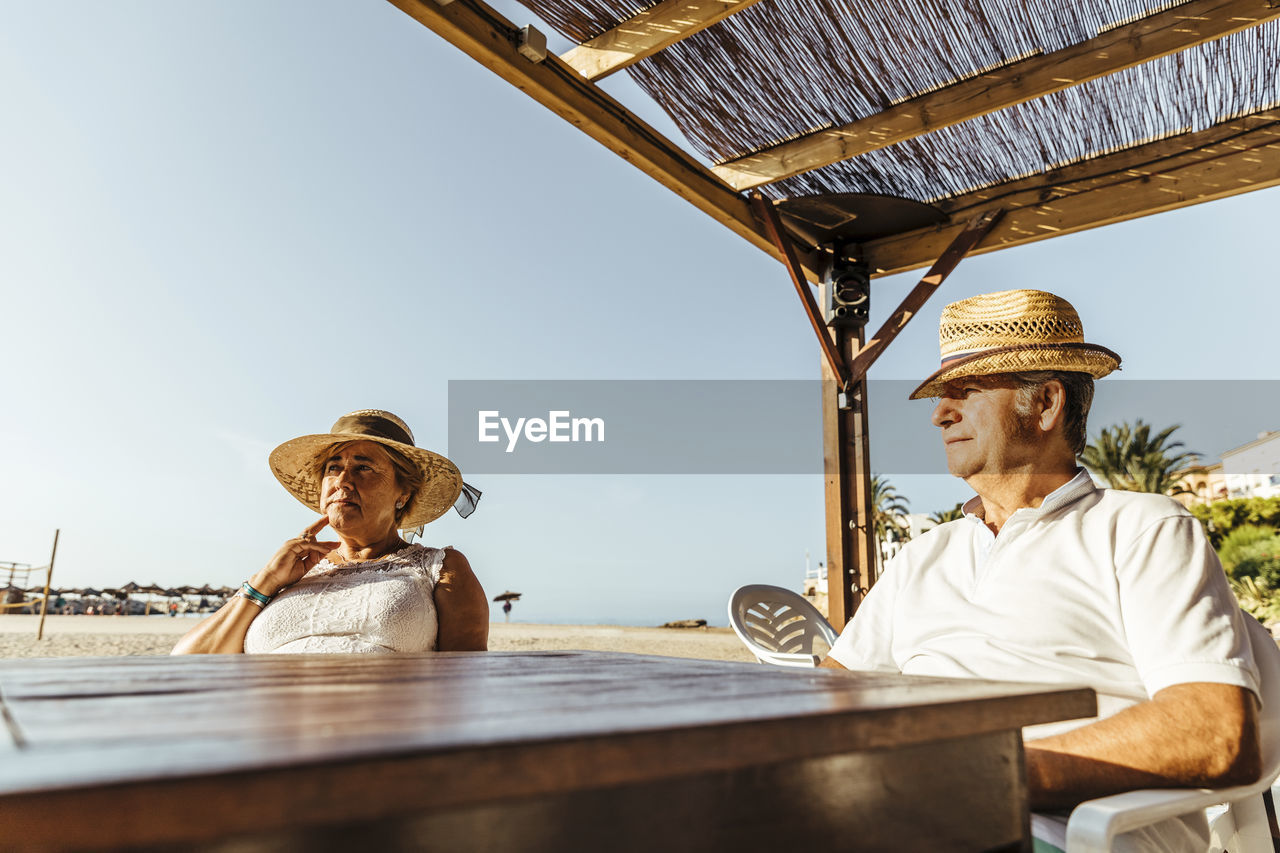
(1242, 828)
(778, 626)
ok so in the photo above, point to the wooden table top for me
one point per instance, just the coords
(372, 728)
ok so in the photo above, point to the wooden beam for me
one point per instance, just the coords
(1225, 160)
(494, 42)
(654, 29)
(766, 213)
(964, 242)
(1141, 41)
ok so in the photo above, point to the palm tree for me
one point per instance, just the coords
(887, 508)
(1130, 458)
(945, 515)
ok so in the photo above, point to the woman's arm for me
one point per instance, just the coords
(462, 607)
(223, 633)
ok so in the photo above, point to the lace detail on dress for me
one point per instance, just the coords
(383, 605)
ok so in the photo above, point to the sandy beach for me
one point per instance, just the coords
(97, 636)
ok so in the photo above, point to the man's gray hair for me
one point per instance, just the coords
(1079, 390)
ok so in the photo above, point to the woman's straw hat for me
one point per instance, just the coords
(296, 461)
(1010, 332)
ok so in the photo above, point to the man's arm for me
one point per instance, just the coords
(1188, 736)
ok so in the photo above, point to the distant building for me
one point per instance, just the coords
(1201, 484)
(815, 586)
(1253, 470)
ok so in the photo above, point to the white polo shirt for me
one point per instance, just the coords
(1120, 591)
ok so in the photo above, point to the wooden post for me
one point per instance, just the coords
(846, 454)
(48, 579)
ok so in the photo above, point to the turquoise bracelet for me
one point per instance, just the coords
(255, 596)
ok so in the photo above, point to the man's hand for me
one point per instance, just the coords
(1188, 736)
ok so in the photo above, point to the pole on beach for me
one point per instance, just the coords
(48, 578)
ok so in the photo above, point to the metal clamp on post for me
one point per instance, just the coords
(533, 44)
(846, 292)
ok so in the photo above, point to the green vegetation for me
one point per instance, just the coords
(1259, 601)
(1246, 534)
(1222, 517)
(888, 507)
(1252, 552)
(1130, 458)
(943, 516)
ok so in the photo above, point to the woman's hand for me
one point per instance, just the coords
(294, 559)
(224, 631)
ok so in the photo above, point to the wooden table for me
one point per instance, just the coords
(546, 751)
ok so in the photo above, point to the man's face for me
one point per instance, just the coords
(983, 431)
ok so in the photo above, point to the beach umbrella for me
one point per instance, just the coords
(153, 589)
(131, 588)
(507, 596)
(88, 591)
(188, 590)
(172, 593)
(206, 590)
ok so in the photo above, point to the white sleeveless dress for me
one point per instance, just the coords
(378, 606)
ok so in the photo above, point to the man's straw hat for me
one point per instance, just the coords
(296, 461)
(1011, 332)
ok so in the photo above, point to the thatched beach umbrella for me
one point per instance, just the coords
(150, 590)
(507, 596)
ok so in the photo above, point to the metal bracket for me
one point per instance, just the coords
(533, 43)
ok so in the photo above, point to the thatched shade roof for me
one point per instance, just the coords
(1063, 114)
(786, 68)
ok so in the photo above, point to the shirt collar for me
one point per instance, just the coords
(1069, 492)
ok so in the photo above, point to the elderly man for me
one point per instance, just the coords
(1049, 578)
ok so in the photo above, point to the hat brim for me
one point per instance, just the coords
(294, 464)
(1067, 357)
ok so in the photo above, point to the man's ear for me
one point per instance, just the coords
(1052, 402)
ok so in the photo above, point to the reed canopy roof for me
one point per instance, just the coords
(1066, 114)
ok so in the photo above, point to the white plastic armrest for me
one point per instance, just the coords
(1095, 823)
(782, 659)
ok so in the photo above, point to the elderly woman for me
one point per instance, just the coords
(370, 591)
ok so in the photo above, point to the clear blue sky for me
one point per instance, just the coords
(224, 225)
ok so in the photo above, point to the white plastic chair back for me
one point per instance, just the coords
(1243, 827)
(779, 626)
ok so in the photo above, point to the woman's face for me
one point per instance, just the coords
(359, 491)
